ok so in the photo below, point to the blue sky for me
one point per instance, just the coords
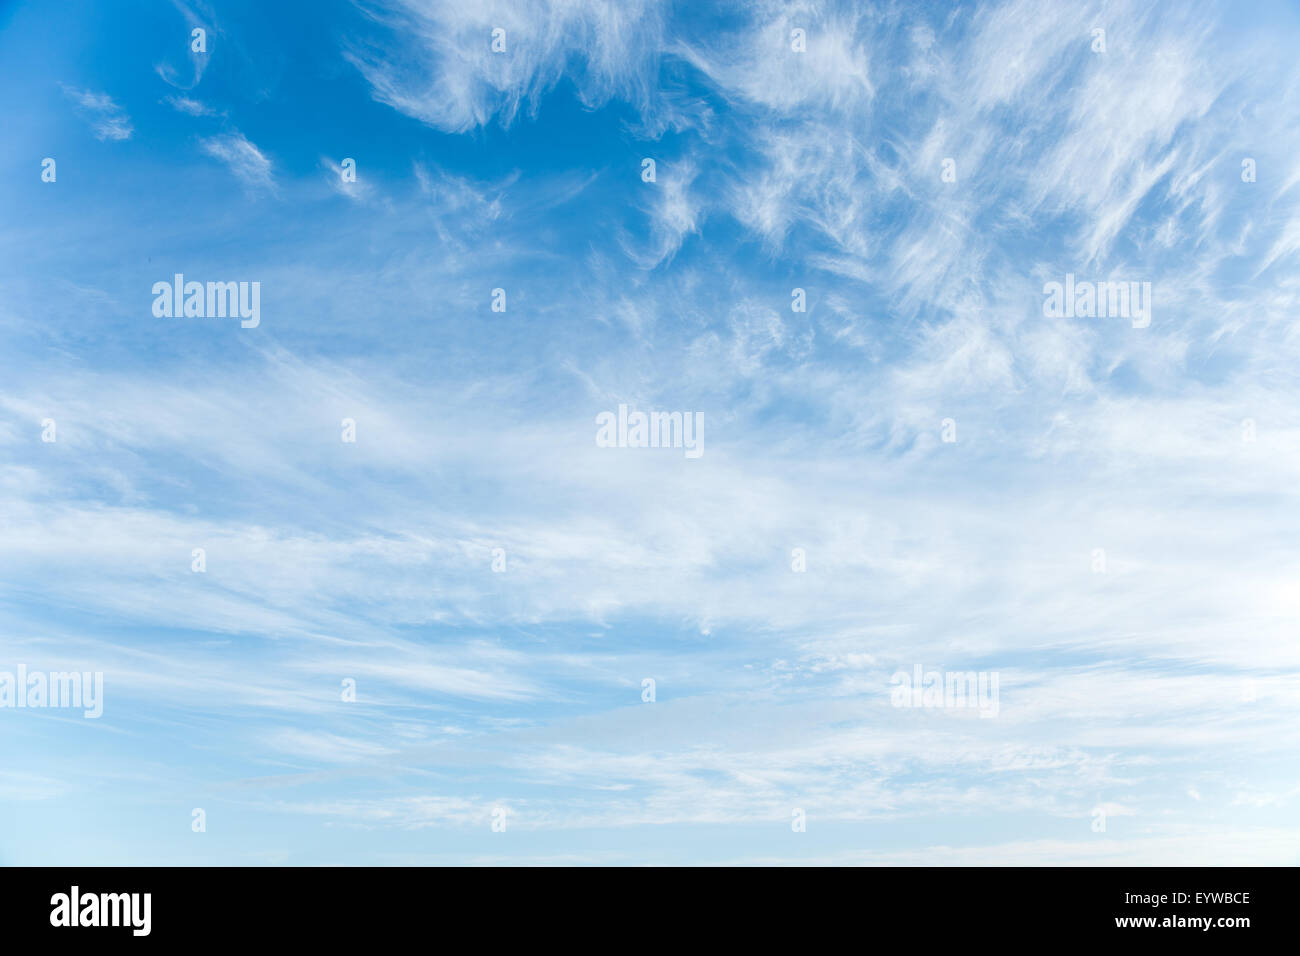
(1161, 690)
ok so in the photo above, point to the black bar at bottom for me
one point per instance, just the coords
(1223, 907)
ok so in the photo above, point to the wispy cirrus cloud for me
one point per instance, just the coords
(452, 79)
(245, 160)
(106, 118)
(190, 106)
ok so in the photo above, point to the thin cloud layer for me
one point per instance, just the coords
(244, 159)
(106, 118)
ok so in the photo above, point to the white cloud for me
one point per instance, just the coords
(244, 159)
(190, 106)
(107, 119)
(451, 79)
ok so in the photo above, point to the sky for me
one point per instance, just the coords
(365, 583)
